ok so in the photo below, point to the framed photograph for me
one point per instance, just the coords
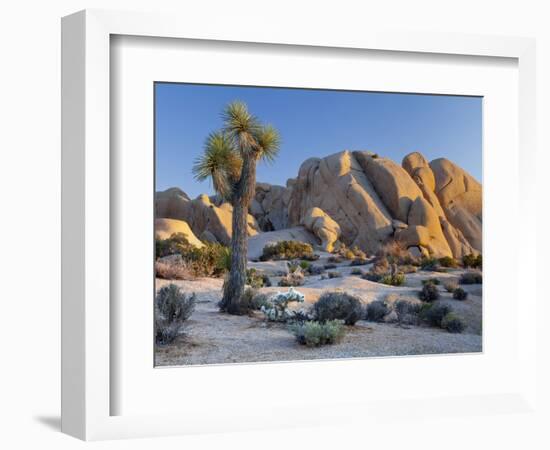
(257, 221)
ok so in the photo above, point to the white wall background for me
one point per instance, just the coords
(29, 225)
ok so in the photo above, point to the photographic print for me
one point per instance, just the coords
(306, 224)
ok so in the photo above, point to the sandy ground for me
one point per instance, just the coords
(214, 338)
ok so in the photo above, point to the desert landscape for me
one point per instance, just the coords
(357, 256)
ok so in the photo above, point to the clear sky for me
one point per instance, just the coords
(315, 123)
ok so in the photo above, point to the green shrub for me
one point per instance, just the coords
(305, 265)
(315, 334)
(338, 305)
(172, 308)
(460, 294)
(377, 310)
(287, 250)
(471, 278)
(252, 300)
(431, 281)
(334, 274)
(396, 279)
(433, 314)
(257, 279)
(430, 263)
(450, 286)
(453, 323)
(429, 293)
(447, 261)
(473, 261)
(407, 312)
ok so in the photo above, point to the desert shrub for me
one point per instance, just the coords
(172, 308)
(450, 286)
(429, 293)
(315, 334)
(315, 269)
(338, 305)
(257, 279)
(176, 269)
(177, 243)
(330, 266)
(334, 274)
(335, 259)
(252, 300)
(408, 268)
(453, 323)
(305, 265)
(431, 281)
(447, 261)
(471, 278)
(430, 263)
(396, 253)
(287, 250)
(276, 308)
(460, 294)
(395, 279)
(407, 312)
(358, 262)
(349, 254)
(380, 268)
(377, 310)
(433, 314)
(473, 261)
(295, 278)
(356, 271)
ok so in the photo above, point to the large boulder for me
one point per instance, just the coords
(392, 183)
(257, 242)
(337, 185)
(201, 214)
(164, 228)
(270, 206)
(322, 226)
(460, 196)
(424, 230)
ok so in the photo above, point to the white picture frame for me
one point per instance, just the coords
(87, 356)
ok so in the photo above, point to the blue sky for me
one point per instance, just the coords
(315, 123)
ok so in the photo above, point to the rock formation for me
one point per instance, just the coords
(357, 198)
(201, 214)
(164, 228)
(322, 226)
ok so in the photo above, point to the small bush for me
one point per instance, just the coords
(433, 314)
(447, 261)
(315, 269)
(396, 279)
(396, 253)
(407, 312)
(295, 278)
(434, 281)
(334, 259)
(305, 265)
(330, 266)
(334, 274)
(338, 305)
(430, 263)
(349, 254)
(377, 310)
(172, 309)
(471, 278)
(256, 279)
(358, 262)
(453, 323)
(315, 334)
(356, 271)
(174, 270)
(380, 268)
(473, 261)
(408, 268)
(429, 293)
(450, 286)
(252, 300)
(460, 294)
(287, 250)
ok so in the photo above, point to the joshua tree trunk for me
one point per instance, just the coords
(234, 285)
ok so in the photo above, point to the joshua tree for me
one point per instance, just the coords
(229, 159)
